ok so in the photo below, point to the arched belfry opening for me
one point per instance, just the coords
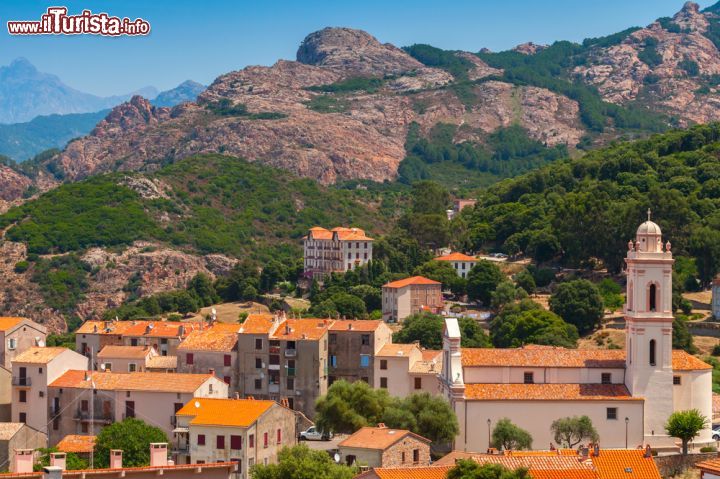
(652, 296)
(652, 353)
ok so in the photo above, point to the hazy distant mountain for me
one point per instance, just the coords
(186, 91)
(21, 141)
(26, 93)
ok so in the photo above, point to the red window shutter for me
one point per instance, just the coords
(226, 379)
(251, 441)
(279, 436)
(265, 439)
(190, 358)
(236, 443)
(228, 360)
(201, 439)
(220, 442)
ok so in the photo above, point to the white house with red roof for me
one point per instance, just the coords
(462, 263)
(337, 250)
(628, 394)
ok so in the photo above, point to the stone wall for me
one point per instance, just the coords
(675, 464)
(393, 456)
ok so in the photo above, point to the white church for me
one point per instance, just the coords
(628, 394)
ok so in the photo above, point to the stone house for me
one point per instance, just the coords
(408, 296)
(18, 335)
(353, 345)
(127, 359)
(16, 435)
(82, 402)
(244, 431)
(404, 369)
(212, 349)
(385, 447)
(32, 372)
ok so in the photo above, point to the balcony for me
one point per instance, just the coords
(21, 381)
(274, 367)
(181, 449)
(290, 353)
(85, 416)
(274, 349)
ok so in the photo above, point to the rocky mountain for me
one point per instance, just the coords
(26, 93)
(184, 92)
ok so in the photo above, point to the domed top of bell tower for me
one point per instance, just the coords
(648, 238)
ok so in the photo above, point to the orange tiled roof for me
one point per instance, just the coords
(544, 356)
(76, 443)
(431, 363)
(7, 322)
(257, 323)
(225, 412)
(429, 472)
(344, 234)
(299, 329)
(124, 352)
(377, 438)
(456, 257)
(397, 350)
(557, 357)
(413, 280)
(111, 381)
(711, 465)
(82, 473)
(38, 355)
(614, 464)
(683, 361)
(219, 337)
(9, 429)
(364, 325)
(548, 392)
(161, 362)
(319, 232)
(158, 329)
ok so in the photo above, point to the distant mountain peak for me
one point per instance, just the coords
(22, 62)
(184, 92)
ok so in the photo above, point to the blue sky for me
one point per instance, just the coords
(201, 40)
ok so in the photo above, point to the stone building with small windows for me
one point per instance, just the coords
(628, 394)
(353, 347)
(385, 447)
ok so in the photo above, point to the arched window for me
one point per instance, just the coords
(652, 352)
(630, 295)
(653, 297)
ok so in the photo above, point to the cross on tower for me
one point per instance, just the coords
(649, 214)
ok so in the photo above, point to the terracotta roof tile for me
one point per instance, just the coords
(158, 329)
(9, 429)
(682, 361)
(413, 280)
(429, 472)
(302, 329)
(711, 465)
(161, 362)
(625, 464)
(456, 257)
(145, 381)
(225, 412)
(548, 392)
(344, 234)
(124, 352)
(219, 337)
(377, 438)
(76, 443)
(431, 363)
(7, 322)
(546, 356)
(392, 350)
(38, 355)
(257, 323)
(364, 325)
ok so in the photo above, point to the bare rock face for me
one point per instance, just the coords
(12, 186)
(157, 269)
(529, 48)
(481, 69)
(354, 51)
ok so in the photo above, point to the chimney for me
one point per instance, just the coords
(381, 425)
(181, 330)
(287, 328)
(596, 449)
(237, 395)
(211, 371)
(52, 472)
(116, 458)
(349, 326)
(158, 454)
(95, 328)
(648, 451)
(58, 459)
(22, 461)
(584, 452)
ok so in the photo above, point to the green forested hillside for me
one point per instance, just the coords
(587, 209)
(213, 204)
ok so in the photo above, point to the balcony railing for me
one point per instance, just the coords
(181, 449)
(274, 367)
(290, 353)
(95, 417)
(21, 381)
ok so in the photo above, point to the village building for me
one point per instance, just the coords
(628, 394)
(82, 402)
(16, 435)
(404, 369)
(385, 447)
(458, 206)
(214, 348)
(82, 445)
(461, 263)
(408, 296)
(353, 346)
(163, 336)
(284, 360)
(17, 335)
(244, 431)
(129, 359)
(335, 251)
(32, 373)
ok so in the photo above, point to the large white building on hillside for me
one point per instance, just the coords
(628, 394)
(335, 251)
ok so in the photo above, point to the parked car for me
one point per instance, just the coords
(314, 434)
(716, 433)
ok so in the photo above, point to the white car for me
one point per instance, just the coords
(716, 433)
(314, 434)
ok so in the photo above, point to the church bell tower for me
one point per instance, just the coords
(648, 327)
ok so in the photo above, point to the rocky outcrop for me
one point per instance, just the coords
(529, 48)
(12, 185)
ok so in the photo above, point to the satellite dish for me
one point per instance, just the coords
(197, 404)
(337, 458)
(102, 367)
(41, 343)
(214, 312)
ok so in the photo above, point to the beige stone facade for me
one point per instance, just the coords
(353, 347)
(405, 297)
(385, 447)
(335, 251)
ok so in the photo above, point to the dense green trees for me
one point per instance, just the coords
(482, 281)
(571, 431)
(131, 435)
(686, 425)
(349, 406)
(508, 436)
(526, 322)
(428, 330)
(300, 462)
(579, 303)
